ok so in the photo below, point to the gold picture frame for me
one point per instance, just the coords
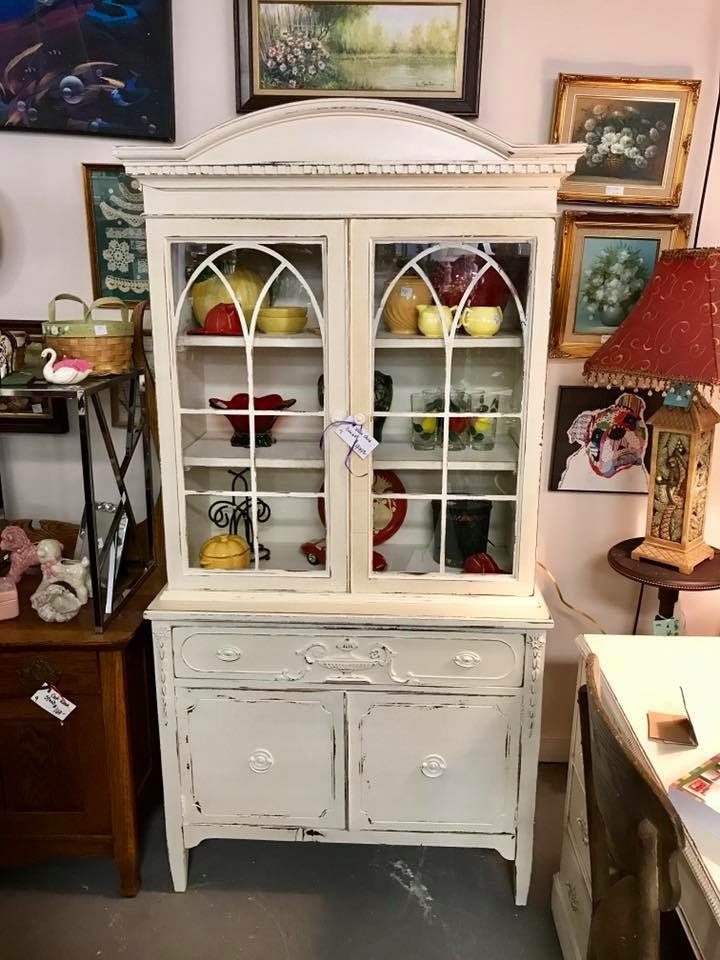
(638, 133)
(591, 244)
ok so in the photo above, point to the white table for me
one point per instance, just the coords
(642, 674)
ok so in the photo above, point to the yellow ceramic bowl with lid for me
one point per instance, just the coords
(225, 552)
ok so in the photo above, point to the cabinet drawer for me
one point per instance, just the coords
(697, 914)
(576, 893)
(420, 658)
(72, 672)
(259, 758)
(577, 823)
(433, 763)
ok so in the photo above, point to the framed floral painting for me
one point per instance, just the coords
(605, 260)
(419, 51)
(116, 233)
(636, 133)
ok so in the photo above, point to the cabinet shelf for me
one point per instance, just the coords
(401, 455)
(385, 340)
(307, 340)
(211, 450)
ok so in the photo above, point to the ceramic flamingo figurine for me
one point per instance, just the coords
(23, 552)
(66, 371)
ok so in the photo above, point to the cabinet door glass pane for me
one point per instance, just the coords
(449, 333)
(251, 393)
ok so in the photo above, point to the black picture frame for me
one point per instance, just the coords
(133, 41)
(53, 417)
(467, 105)
(572, 402)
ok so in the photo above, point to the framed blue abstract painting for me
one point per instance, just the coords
(95, 67)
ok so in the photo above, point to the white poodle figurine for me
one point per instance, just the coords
(76, 573)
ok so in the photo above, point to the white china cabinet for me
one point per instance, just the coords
(350, 648)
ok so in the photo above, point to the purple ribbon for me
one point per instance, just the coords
(352, 422)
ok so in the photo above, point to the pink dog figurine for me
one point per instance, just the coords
(23, 553)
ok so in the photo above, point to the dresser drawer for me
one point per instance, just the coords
(262, 758)
(21, 674)
(577, 823)
(433, 763)
(576, 892)
(420, 658)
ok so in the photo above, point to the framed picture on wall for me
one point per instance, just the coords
(637, 134)
(116, 233)
(22, 414)
(419, 51)
(602, 440)
(94, 67)
(605, 260)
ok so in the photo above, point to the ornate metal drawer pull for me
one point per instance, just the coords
(467, 659)
(433, 765)
(229, 654)
(572, 897)
(261, 761)
(583, 831)
(39, 671)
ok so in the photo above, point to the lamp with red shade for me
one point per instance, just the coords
(670, 341)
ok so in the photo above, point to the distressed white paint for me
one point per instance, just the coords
(267, 664)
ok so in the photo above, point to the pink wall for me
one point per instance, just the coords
(43, 246)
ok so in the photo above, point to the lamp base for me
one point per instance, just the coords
(682, 558)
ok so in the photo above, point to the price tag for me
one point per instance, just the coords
(357, 438)
(614, 190)
(100, 330)
(50, 699)
(666, 627)
(37, 408)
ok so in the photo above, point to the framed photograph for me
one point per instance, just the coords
(116, 233)
(25, 415)
(426, 52)
(602, 440)
(605, 260)
(637, 134)
(92, 67)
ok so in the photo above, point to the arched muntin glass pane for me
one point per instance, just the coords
(450, 336)
(250, 340)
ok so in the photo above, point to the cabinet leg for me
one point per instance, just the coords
(523, 870)
(178, 857)
(129, 870)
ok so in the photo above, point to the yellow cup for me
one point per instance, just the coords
(481, 321)
(432, 320)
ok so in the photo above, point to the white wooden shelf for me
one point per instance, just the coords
(385, 339)
(284, 558)
(403, 557)
(306, 340)
(401, 455)
(212, 450)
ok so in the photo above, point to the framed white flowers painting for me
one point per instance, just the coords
(636, 133)
(604, 264)
(116, 233)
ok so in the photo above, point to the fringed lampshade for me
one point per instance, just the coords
(670, 341)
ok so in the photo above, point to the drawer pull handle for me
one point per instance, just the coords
(583, 831)
(433, 766)
(261, 761)
(39, 671)
(229, 654)
(467, 659)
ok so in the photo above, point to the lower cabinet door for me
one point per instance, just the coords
(433, 763)
(262, 758)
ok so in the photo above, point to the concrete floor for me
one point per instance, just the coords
(283, 901)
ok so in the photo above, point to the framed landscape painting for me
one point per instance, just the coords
(636, 133)
(605, 260)
(419, 51)
(116, 233)
(100, 67)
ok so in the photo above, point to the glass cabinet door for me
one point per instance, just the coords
(443, 322)
(256, 316)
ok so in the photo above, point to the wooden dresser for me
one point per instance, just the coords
(77, 788)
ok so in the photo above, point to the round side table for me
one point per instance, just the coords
(669, 582)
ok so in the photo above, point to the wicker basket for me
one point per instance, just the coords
(106, 345)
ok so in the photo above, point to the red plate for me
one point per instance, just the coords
(388, 514)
